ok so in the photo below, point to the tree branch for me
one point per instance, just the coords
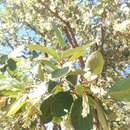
(34, 29)
(69, 36)
(68, 29)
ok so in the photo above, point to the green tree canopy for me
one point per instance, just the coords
(66, 64)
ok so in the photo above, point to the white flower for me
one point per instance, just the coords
(89, 76)
(85, 106)
(121, 27)
(98, 90)
(16, 52)
(38, 91)
(67, 123)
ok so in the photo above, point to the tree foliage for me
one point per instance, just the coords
(69, 70)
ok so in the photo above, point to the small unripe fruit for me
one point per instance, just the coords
(95, 62)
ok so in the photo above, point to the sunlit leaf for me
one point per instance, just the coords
(10, 87)
(57, 89)
(17, 106)
(79, 89)
(75, 53)
(2, 76)
(43, 49)
(121, 90)
(57, 120)
(48, 63)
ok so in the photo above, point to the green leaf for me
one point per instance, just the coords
(11, 64)
(79, 89)
(100, 112)
(57, 120)
(40, 73)
(76, 72)
(52, 85)
(121, 90)
(2, 76)
(58, 73)
(72, 79)
(46, 110)
(61, 103)
(95, 62)
(9, 93)
(91, 101)
(3, 59)
(78, 122)
(43, 49)
(57, 89)
(75, 53)
(3, 68)
(101, 116)
(15, 74)
(59, 36)
(10, 87)
(49, 63)
(17, 106)
(55, 106)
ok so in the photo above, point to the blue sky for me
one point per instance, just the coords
(2, 7)
(25, 31)
(22, 32)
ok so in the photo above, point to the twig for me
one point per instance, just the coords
(56, 127)
(34, 29)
